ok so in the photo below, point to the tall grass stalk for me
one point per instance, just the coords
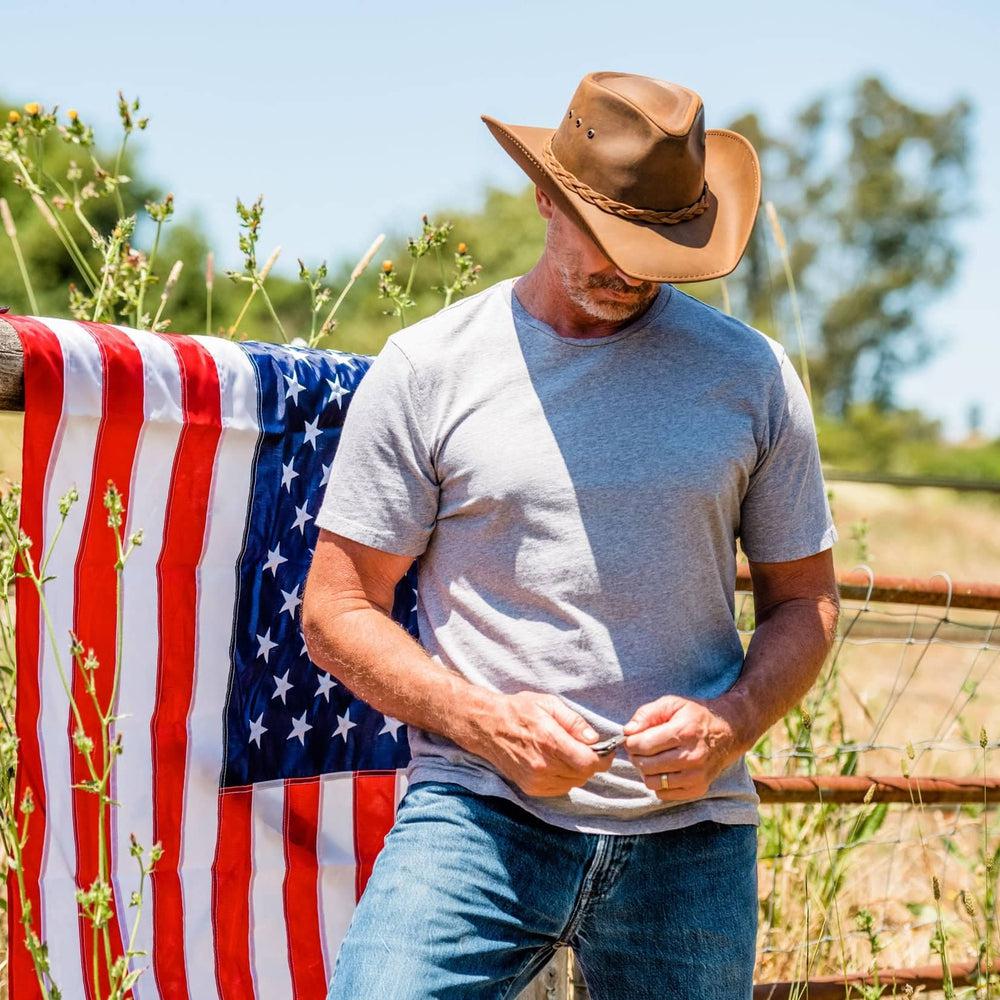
(11, 231)
(37, 194)
(144, 274)
(66, 238)
(209, 286)
(779, 238)
(99, 755)
(172, 279)
(359, 269)
(256, 284)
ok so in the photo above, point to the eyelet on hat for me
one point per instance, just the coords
(590, 133)
(579, 122)
(570, 115)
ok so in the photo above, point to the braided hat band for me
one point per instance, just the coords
(603, 202)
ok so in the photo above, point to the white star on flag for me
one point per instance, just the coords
(265, 645)
(300, 519)
(257, 730)
(325, 685)
(299, 728)
(282, 687)
(294, 387)
(288, 473)
(337, 391)
(292, 600)
(326, 473)
(344, 725)
(392, 726)
(274, 560)
(312, 432)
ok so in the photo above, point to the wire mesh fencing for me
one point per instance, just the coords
(879, 845)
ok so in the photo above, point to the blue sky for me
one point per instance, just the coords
(353, 118)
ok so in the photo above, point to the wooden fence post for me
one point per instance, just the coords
(553, 982)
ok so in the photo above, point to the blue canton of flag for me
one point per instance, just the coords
(286, 717)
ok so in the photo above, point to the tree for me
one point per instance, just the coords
(867, 197)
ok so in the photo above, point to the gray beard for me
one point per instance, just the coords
(604, 310)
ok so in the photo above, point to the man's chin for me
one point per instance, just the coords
(612, 307)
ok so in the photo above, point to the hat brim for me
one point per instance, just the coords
(705, 247)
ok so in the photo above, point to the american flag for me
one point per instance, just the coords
(268, 784)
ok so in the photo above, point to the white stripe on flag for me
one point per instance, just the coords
(337, 862)
(140, 627)
(401, 786)
(268, 934)
(216, 603)
(83, 378)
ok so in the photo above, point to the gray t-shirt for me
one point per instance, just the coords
(575, 505)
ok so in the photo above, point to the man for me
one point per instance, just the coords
(572, 456)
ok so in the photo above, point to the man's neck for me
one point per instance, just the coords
(541, 292)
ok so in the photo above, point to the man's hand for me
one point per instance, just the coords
(539, 742)
(691, 740)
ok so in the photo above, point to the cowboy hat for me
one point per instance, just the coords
(632, 164)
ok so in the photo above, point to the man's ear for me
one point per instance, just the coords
(544, 203)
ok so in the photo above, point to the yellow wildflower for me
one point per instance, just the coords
(13, 117)
(33, 108)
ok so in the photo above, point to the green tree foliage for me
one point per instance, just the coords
(867, 188)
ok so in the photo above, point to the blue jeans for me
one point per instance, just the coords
(471, 896)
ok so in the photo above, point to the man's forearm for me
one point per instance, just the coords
(782, 663)
(385, 666)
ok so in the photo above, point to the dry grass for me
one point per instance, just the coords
(916, 532)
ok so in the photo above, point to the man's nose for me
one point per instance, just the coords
(628, 279)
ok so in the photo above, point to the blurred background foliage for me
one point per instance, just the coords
(866, 186)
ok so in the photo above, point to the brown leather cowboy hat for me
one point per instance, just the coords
(632, 163)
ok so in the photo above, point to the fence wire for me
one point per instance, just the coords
(911, 691)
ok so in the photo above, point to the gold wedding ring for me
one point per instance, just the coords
(664, 781)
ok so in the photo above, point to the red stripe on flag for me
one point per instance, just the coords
(374, 813)
(231, 874)
(43, 401)
(301, 889)
(177, 596)
(94, 619)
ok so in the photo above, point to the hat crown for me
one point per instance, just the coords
(636, 139)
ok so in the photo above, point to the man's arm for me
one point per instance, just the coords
(796, 606)
(534, 739)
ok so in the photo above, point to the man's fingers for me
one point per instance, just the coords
(654, 740)
(567, 748)
(673, 761)
(571, 722)
(653, 712)
(677, 789)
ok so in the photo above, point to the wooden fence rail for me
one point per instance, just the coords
(560, 981)
(835, 987)
(938, 591)
(848, 789)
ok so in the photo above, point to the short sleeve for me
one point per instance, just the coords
(785, 513)
(382, 490)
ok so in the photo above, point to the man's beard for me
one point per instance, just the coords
(607, 310)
